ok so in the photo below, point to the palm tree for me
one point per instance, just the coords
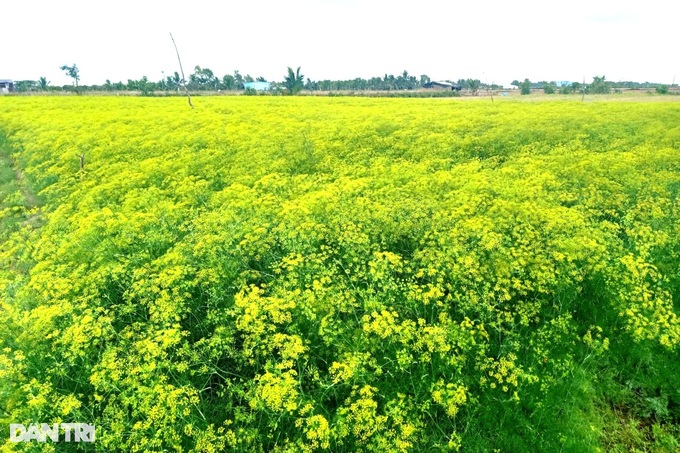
(294, 81)
(42, 83)
(175, 81)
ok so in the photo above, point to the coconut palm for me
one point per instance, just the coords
(43, 83)
(294, 81)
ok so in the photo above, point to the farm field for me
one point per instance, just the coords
(341, 274)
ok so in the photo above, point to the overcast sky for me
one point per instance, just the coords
(342, 39)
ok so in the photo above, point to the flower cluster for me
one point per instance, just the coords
(334, 274)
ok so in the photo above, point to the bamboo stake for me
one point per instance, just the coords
(184, 82)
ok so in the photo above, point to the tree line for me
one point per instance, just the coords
(204, 79)
(599, 85)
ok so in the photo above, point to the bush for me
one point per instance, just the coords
(662, 89)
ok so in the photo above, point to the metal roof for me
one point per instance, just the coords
(443, 83)
(257, 85)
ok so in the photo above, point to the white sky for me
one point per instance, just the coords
(341, 39)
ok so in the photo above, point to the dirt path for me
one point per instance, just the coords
(30, 198)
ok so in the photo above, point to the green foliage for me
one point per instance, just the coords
(203, 79)
(525, 87)
(43, 83)
(573, 87)
(23, 86)
(294, 81)
(549, 87)
(228, 82)
(662, 89)
(143, 85)
(73, 72)
(473, 85)
(599, 86)
(341, 274)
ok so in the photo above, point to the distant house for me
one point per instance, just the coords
(257, 86)
(6, 86)
(442, 86)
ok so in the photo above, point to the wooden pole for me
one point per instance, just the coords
(583, 89)
(184, 82)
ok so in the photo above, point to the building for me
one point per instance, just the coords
(6, 86)
(442, 86)
(257, 86)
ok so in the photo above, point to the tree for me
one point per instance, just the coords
(599, 86)
(26, 85)
(203, 79)
(311, 85)
(145, 86)
(72, 72)
(174, 81)
(406, 81)
(294, 81)
(389, 82)
(549, 87)
(525, 87)
(118, 86)
(43, 83)
(516, 83)
(376, 83)
(239, 80)
(229, 82)
(566, 89)
(473, 85)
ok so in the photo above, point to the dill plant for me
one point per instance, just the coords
(341, 274)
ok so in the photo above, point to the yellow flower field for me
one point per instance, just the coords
(341, 274)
